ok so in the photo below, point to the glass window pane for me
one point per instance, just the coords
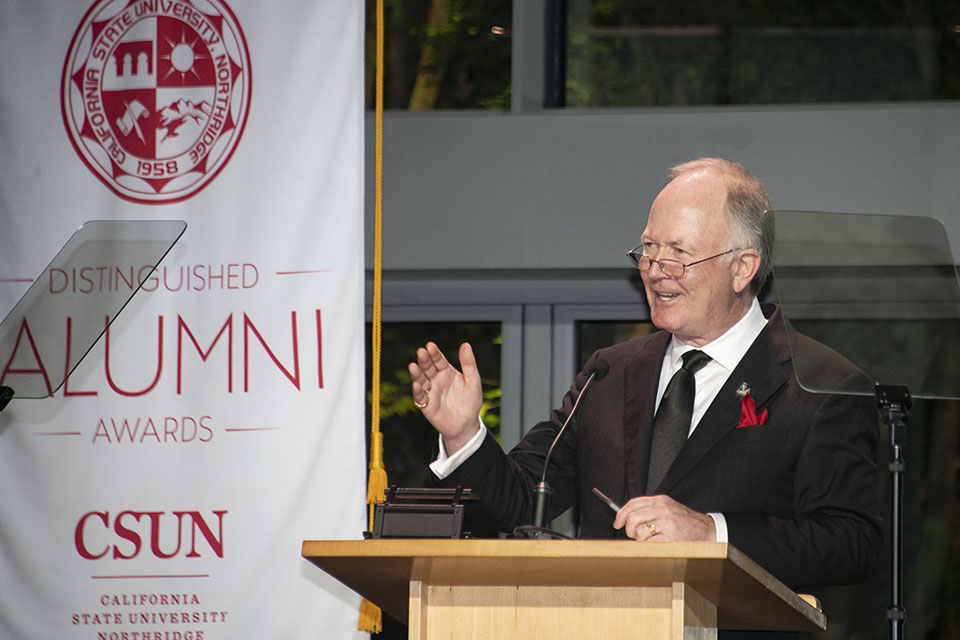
(408, 439)
(626, 53)
(593, 335)
(441, 54)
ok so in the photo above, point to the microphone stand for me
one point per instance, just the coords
(894, 403)
(542, 492)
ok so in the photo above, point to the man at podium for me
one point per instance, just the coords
(700, 431)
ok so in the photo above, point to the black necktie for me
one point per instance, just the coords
(672, 422)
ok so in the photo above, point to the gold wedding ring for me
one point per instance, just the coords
(653, 528)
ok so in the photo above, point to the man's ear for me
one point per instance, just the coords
(744, 267)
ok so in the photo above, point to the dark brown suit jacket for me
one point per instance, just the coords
(799, 493)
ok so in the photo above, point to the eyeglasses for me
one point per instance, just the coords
(671, 268)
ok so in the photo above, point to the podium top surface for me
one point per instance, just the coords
(746, 595)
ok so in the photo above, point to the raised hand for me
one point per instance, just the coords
(449, 399)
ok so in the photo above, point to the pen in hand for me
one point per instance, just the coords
(610, 503)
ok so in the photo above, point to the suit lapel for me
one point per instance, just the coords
(641, 379)
(761, 369)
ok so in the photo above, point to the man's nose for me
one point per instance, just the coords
(656, 270)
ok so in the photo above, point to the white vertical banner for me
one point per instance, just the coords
(163, 492)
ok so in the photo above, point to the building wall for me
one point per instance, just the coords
(570, 189)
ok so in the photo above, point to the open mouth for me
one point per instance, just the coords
(665, 296)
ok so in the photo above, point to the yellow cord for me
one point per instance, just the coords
(370, 615)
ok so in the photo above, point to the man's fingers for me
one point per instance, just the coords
(638, 527)
(663, 518)
(642, 529)
(437, 358)
(634, 507)
(425, 361)
(430, 361)
(419, 391)
(468, 364)
(639, 517)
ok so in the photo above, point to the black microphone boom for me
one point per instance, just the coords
(542, 491)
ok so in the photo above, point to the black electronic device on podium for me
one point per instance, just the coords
(883, 291)
(73, 301)
(421, 513)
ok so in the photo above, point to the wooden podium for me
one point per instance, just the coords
(556, 589)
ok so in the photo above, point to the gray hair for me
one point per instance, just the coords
(746, 206)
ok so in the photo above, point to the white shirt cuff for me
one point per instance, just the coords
(444, 465)
(721, 524)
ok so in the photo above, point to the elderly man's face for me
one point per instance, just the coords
(687, 223)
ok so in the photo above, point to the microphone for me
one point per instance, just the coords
(542, 491)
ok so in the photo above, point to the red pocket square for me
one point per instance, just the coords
(748, 412)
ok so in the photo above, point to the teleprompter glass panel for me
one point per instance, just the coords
(74, 300)
(881, 290)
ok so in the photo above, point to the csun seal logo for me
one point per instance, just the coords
(155, 95)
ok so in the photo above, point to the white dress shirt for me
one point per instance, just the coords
(725, 353)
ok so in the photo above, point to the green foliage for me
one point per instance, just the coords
(471, 62)
(633, 53)
(624, 53)
(490, 409)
